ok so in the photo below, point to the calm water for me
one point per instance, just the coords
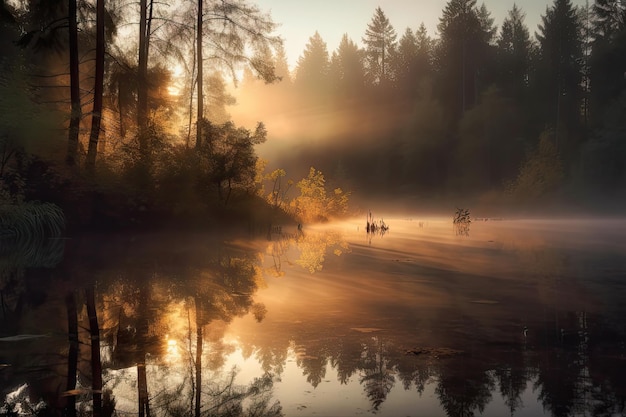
(522, 318)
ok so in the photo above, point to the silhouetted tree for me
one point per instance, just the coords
(404, 63)
(380, 42)
(346, 68)
(559, 75)
(514, 55)
(313, 65)
(608, 56)
(464, 42)
(96, 113)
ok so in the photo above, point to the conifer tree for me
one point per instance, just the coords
(380, 42)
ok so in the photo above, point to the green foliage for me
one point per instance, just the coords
(227, 157)
(541, 173)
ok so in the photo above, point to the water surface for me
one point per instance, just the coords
(510, 317)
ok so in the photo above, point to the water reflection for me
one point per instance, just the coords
(163, 307)
(505, 321)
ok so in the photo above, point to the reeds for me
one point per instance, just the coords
(462, 221)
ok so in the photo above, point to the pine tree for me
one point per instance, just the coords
(404, 63)
(514, 54)
(560, 76)
(465, 32)
(346, 69)
(608, 56)
(313, 65)
(380, 42)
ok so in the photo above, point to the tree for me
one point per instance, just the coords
(75, 106)
(425, 49)
(237, 33)
(96, 115)
(464, 41)
(346, 68)
(228, 156)
(142, 76)
(404, 63)
(199, 76)
(514, 53)
(380, 42)
(541, 172)
(313, 65)
(608, 56)
(47, 22)
(217, 99)
(559, 77)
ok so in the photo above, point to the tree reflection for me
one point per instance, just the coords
(377, 374)
(312, 249)
(464, 389)
(174, 319)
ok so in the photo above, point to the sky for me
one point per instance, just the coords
(299, 19)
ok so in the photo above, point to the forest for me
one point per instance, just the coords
(144, 113)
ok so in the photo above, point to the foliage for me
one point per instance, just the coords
(541, 173)
(514, 54)
(228, 158)
(313, 65)
(490, 142)
(380, 43)
(277, 198)
(313, 204)
(559, 72)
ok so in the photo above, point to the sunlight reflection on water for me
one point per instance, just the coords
(516, 317)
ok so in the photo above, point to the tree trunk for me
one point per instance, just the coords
(75, 109)
(142, 388)
(142, 333)
(72, 356)
(96, 364)
(142, 79)
(199, 348)
(96, 114)
(200, 88)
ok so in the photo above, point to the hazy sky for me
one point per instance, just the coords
(299, 19)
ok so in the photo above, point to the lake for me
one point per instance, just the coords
(506, 317)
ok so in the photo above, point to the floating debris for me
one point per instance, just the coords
(434, 352)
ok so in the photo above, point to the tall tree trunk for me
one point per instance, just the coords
(199, 347)
(72, 356)
(96, 364)
(142, 333)
(199, 62)
(142, 79)
(142, 389)
(193, 83)
(96, 114)
(75, 109)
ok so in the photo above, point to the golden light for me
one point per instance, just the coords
(174, 88)
(173, 352)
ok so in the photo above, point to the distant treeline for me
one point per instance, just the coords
(481, 108)
(99, 106)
